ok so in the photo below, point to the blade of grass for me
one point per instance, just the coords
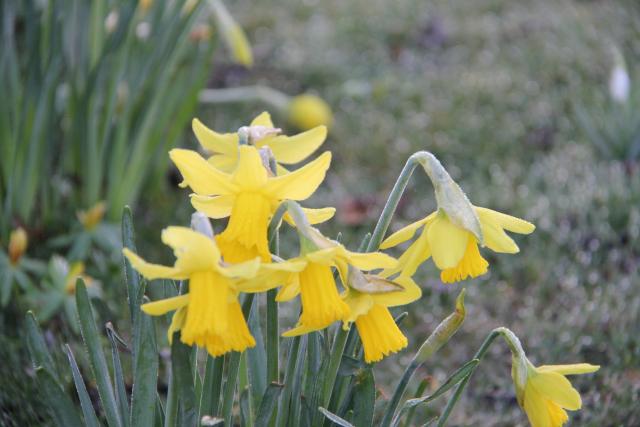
(89, 414)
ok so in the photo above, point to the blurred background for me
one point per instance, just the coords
(531, 106)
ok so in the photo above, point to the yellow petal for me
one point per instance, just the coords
(208, 306)
(214, 142)
(263, 119)
(299, 330)
(324, 256)
(321, 303)
(505, 221)
(557, 388)
(294, 149)
(243, 270)
(536, 409)
(200, 175)
(213, 207)
(301, 183)
(572, 369)
(154, 271)
(224, 162)
(177, 322)
(250, 173)
(497, 240)
(411, 292)
(290, 290)
(405, 233)
(163, 306)
(314, 216)
(380, 334)
(417, 253)
(194, 251)
(359, 304)
(447, 242)
(370, 260)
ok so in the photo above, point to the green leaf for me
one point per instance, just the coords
(132, 278)
(267, 404)
(211, 386)
(334, 418)
(181, 369)
(89, 414)
(283, 409)
(62, 408)
(245, 410)
(234, 367)
(120, 390)
(96, 355)
(145, 373)
(256, 359)
(364, 398)
(40, 355)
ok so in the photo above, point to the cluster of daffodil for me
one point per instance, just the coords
(246, 179)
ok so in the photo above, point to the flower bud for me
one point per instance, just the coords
(93, 216)
(18, 242)
(233, 35)
(443, 332)
(308, 111)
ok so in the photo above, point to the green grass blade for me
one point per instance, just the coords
(296, 386)
(211, 386)
(97, 359)
(132, 278)
(62, 408)
(232, 372)
(183, 375)
(267, 404)
(335, 419)
(89, 414)
(145, 377)
(120, 390)
(364, 397)
(40, 355)
(256, 360)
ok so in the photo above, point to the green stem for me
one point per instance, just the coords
(334, 364)
(243, 94)
(458, 393)
(393, 200)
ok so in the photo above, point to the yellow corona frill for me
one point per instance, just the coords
(209, 315)
(287, 150)
(453, 248)
(546, 393)
(378, 330)
(321, 301)
(249, 196)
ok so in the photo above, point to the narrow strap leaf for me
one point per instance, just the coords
(97, 359)
(62, 408)
(182, 372)
(89, 414)
(145, 373)
(120, 390)
(40, 355)
(267, 404)
(132, 277)
(364, 397)
(334, 418)
(211, 386)
(256, 360)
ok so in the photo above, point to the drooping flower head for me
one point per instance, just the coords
(451, 235)
(368, 297)
(455, 249)
(209, 315)
(249, 196)
(544, 392)
(286, 150)
(308, 111)
(321, 301)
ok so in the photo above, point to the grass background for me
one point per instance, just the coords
(492, 87)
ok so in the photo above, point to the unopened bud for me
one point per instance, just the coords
(443, 333)
(18, 242)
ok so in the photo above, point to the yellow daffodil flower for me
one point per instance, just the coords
(286, 150)
(308, 111)
(249, 196)
(378, 331)
(546, 393)
(210, 314)
(233, 35)
(76, 271)
(455, 249)
(18, 242)
(321, 302)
